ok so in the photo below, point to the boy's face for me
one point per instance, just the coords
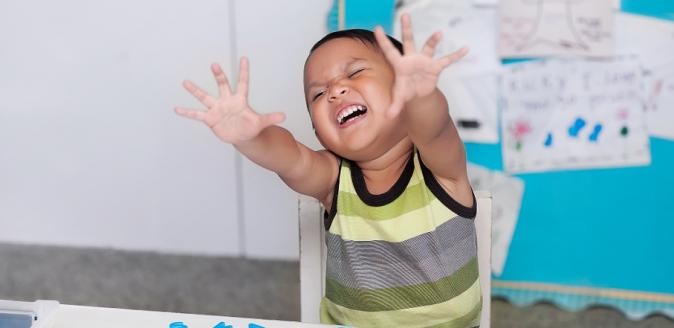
(347, 86)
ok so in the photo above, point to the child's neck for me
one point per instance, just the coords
(382, 172)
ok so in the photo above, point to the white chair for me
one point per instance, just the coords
(313, 250)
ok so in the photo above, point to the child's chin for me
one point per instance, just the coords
(358, 151)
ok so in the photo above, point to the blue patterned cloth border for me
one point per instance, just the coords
(634, 304)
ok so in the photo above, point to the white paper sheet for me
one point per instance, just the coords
(471, 84)
(652, 40)
(534, 28)
(473, 101)
(485, 2)
(564, 114)
(506, 192)
(659, 99)
(616, 3)
(649, 38)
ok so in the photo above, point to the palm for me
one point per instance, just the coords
(229, 116)
(416, 73)
(232, 120)
(416, 76)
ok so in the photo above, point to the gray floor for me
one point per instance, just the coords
(212, 285)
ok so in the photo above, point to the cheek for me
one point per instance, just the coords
(378, 95)
(321, 120)
(324, 135)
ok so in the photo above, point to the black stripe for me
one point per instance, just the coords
(328, 217)
(444, 197)
(388, 196)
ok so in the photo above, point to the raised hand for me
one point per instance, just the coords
(229, 116)
(416, 73)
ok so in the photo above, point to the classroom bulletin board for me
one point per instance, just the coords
(583, 237)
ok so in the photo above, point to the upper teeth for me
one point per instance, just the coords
(348, 111)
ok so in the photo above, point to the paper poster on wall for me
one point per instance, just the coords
(473, 106)
(470, 85)
(566, 114)
(649, 38)
(652, 40)
(535, 28)
(616, 3)
(659, 101)
(506, 192)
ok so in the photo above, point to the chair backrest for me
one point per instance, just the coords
(313, 254)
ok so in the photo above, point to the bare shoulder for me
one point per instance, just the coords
(314, 173)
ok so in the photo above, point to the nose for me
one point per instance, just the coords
(337, 91)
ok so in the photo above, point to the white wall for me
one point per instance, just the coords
(277, 51)
(91, 153)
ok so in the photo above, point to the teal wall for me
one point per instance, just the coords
(601, 228)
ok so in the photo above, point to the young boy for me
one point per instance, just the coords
(399, 208)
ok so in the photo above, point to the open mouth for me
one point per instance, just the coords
(350, 113)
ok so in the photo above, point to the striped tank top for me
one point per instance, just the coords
(404, 258)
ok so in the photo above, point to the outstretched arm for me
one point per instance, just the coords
(258, 137)
(423, 106)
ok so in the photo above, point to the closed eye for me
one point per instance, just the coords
(316, 96)
(354, 73)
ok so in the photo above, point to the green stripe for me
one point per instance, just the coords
(404, 297)
(470, 319)
(412, 198)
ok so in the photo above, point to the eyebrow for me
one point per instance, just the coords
(347, 64)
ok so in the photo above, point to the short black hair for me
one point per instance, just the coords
(365, 36)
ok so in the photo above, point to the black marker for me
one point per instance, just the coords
(469, 124)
